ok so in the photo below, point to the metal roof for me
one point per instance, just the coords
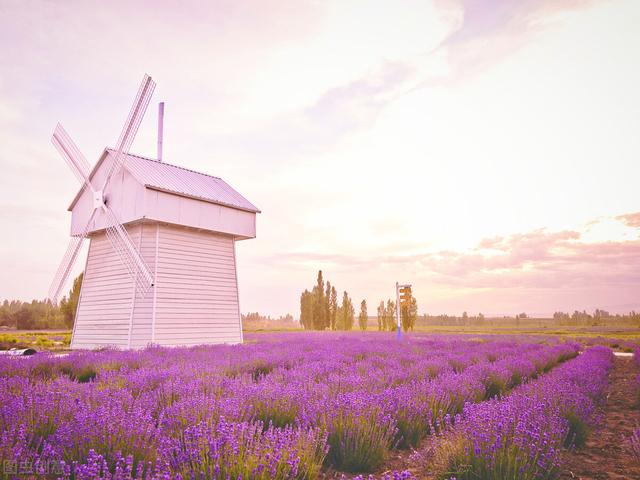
(182, 181)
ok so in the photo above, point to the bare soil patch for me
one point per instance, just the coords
(607, 454)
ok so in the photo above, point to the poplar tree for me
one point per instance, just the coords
(333, 306)
(408, 314)
(306, 310)
(319, 317)
(381, 313)
(390, 316)
(348, 313)
(327, 306)
(363, 317)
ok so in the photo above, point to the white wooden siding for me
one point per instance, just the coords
(197, 290)
(104, 306)
(145, 240)
(191, 212)
(196, 297)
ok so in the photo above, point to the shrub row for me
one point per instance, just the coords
(521, 435)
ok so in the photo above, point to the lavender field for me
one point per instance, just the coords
(302, 406)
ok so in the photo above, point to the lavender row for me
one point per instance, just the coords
(635, 436)
(521, 436)
(277, 409)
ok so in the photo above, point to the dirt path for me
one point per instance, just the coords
(607, 454)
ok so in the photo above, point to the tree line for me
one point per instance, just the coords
(387, 315)
(598, 318)
(39, 314)
(319, 308)
(257, 317)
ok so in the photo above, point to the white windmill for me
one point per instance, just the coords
(161, 266)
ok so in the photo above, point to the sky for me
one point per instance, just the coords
(484, 151)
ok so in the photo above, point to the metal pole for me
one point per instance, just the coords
(160, 129)
(398, 309)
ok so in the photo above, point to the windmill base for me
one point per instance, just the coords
(194, 300)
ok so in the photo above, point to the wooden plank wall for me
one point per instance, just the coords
(197, 297)
(196, 291)
(144, 237)
(104, 307)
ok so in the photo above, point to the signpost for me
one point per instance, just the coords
(403, 298)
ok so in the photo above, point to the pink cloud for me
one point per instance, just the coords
(514, 252)
(537, 271)
(539, 259)
(630, 219)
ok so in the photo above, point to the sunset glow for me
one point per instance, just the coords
(489, 156)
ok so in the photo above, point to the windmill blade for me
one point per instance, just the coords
(122, 245)
(128, 253)
(131, 126)
(64, 270)
(136, 113)
(71, 154)
(115, 232)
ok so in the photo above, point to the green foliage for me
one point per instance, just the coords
(46, 371)
(261, 369)
(389, 316)
(275, 411)
(306, 310)
(320, 320)
(462, 464)
(346, 314)
(363, 317)
(359, 442)
(327, 305)
(68, 307)
(42, 372)
(44, 342)
(243, 450)
(79, 373)
(408, 315)
(495, 386)
(319, 308)
(85, 374)
(410, 428)
(578, 430)
(37, 340)
(333, 307)
(257, 369)
(255, 322)
(41, 314)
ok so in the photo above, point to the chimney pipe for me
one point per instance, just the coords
(160, 127)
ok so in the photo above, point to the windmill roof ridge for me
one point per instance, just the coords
(184, 181)
(162, 162)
